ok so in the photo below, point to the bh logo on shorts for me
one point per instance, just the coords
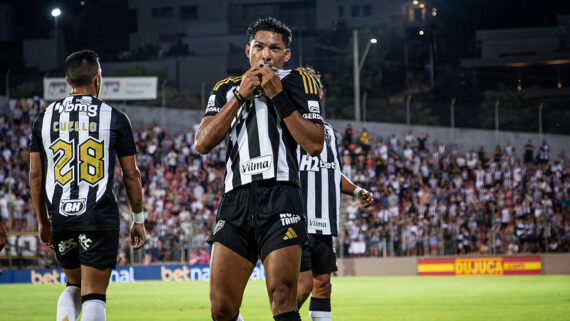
(85, 242)
(65, 246)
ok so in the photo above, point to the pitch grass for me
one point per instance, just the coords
(354, 298)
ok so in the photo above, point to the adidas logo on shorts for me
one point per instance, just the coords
(290, 234)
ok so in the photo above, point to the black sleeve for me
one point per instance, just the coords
(125, 140)
(36, 139)
(304, 93)
(217, 98)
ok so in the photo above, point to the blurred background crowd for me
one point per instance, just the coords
(431, 198)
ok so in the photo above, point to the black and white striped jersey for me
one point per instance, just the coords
(260, 147)
(321, 186)
(79, 137)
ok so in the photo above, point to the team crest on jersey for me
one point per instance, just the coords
(313, 106)
(72, 207)
(219, 226)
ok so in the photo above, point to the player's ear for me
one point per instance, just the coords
(247, 49)
(287, 54)
(67, 81)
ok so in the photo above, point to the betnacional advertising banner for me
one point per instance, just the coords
(123, 274)
(112, 88)
(480, 266)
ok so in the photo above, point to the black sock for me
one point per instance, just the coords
(101, 297)
(318, 304)
(288, 316)
(233, 319)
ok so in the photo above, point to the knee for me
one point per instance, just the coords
(222, 308)
(323, 289)
(281, 295)
(303, 292)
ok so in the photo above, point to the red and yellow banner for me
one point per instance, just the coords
(480, 266)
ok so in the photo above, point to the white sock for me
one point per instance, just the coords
(320, 315)
(239, 318)
(69, 304)
(93, 310)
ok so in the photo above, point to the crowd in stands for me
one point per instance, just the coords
(430, 197)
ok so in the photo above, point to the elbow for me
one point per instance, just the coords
(201, 146)
(35, 177)
(133, 174)
(315, 149)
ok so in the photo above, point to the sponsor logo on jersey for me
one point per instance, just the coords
(314, 164)
(68, 106)
(313, 106)
(72, 207)
(66, 245)
(211, 101)
(318, 224)
(312, 116)
(289, 218)
(219, 226)
(85, 242)
(290, 234)
(256, 165)
(213, 110)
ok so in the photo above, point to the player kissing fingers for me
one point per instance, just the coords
(251, 80)
(270, 82)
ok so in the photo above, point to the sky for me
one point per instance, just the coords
(105, 24)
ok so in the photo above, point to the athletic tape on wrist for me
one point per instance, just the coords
(283, 104)
(138, 217)
(357, 193)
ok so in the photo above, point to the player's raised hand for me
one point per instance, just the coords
(138, 235)
(366, 198)
(270, 82)
(44, 232)
(250, 80)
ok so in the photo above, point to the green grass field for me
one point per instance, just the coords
(354, 298)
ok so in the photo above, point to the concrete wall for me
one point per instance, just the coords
(377, 266)
(463, 138)
(558, 263)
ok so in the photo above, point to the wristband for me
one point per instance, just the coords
(356, 193)
(283, 104)
(238, 96)
(138, 218)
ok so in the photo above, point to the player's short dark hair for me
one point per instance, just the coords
(81, 66)
(269, 24)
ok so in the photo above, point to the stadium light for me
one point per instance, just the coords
(357, 66)
(56, 12)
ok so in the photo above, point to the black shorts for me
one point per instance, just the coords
(319, 255)
(255, 219)
(96, 249)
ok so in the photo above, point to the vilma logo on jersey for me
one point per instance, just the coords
(72, 207)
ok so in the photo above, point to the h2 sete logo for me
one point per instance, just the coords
(314, 164)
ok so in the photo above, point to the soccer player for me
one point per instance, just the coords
(72, 159)
(266, 114)
(322, 182)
